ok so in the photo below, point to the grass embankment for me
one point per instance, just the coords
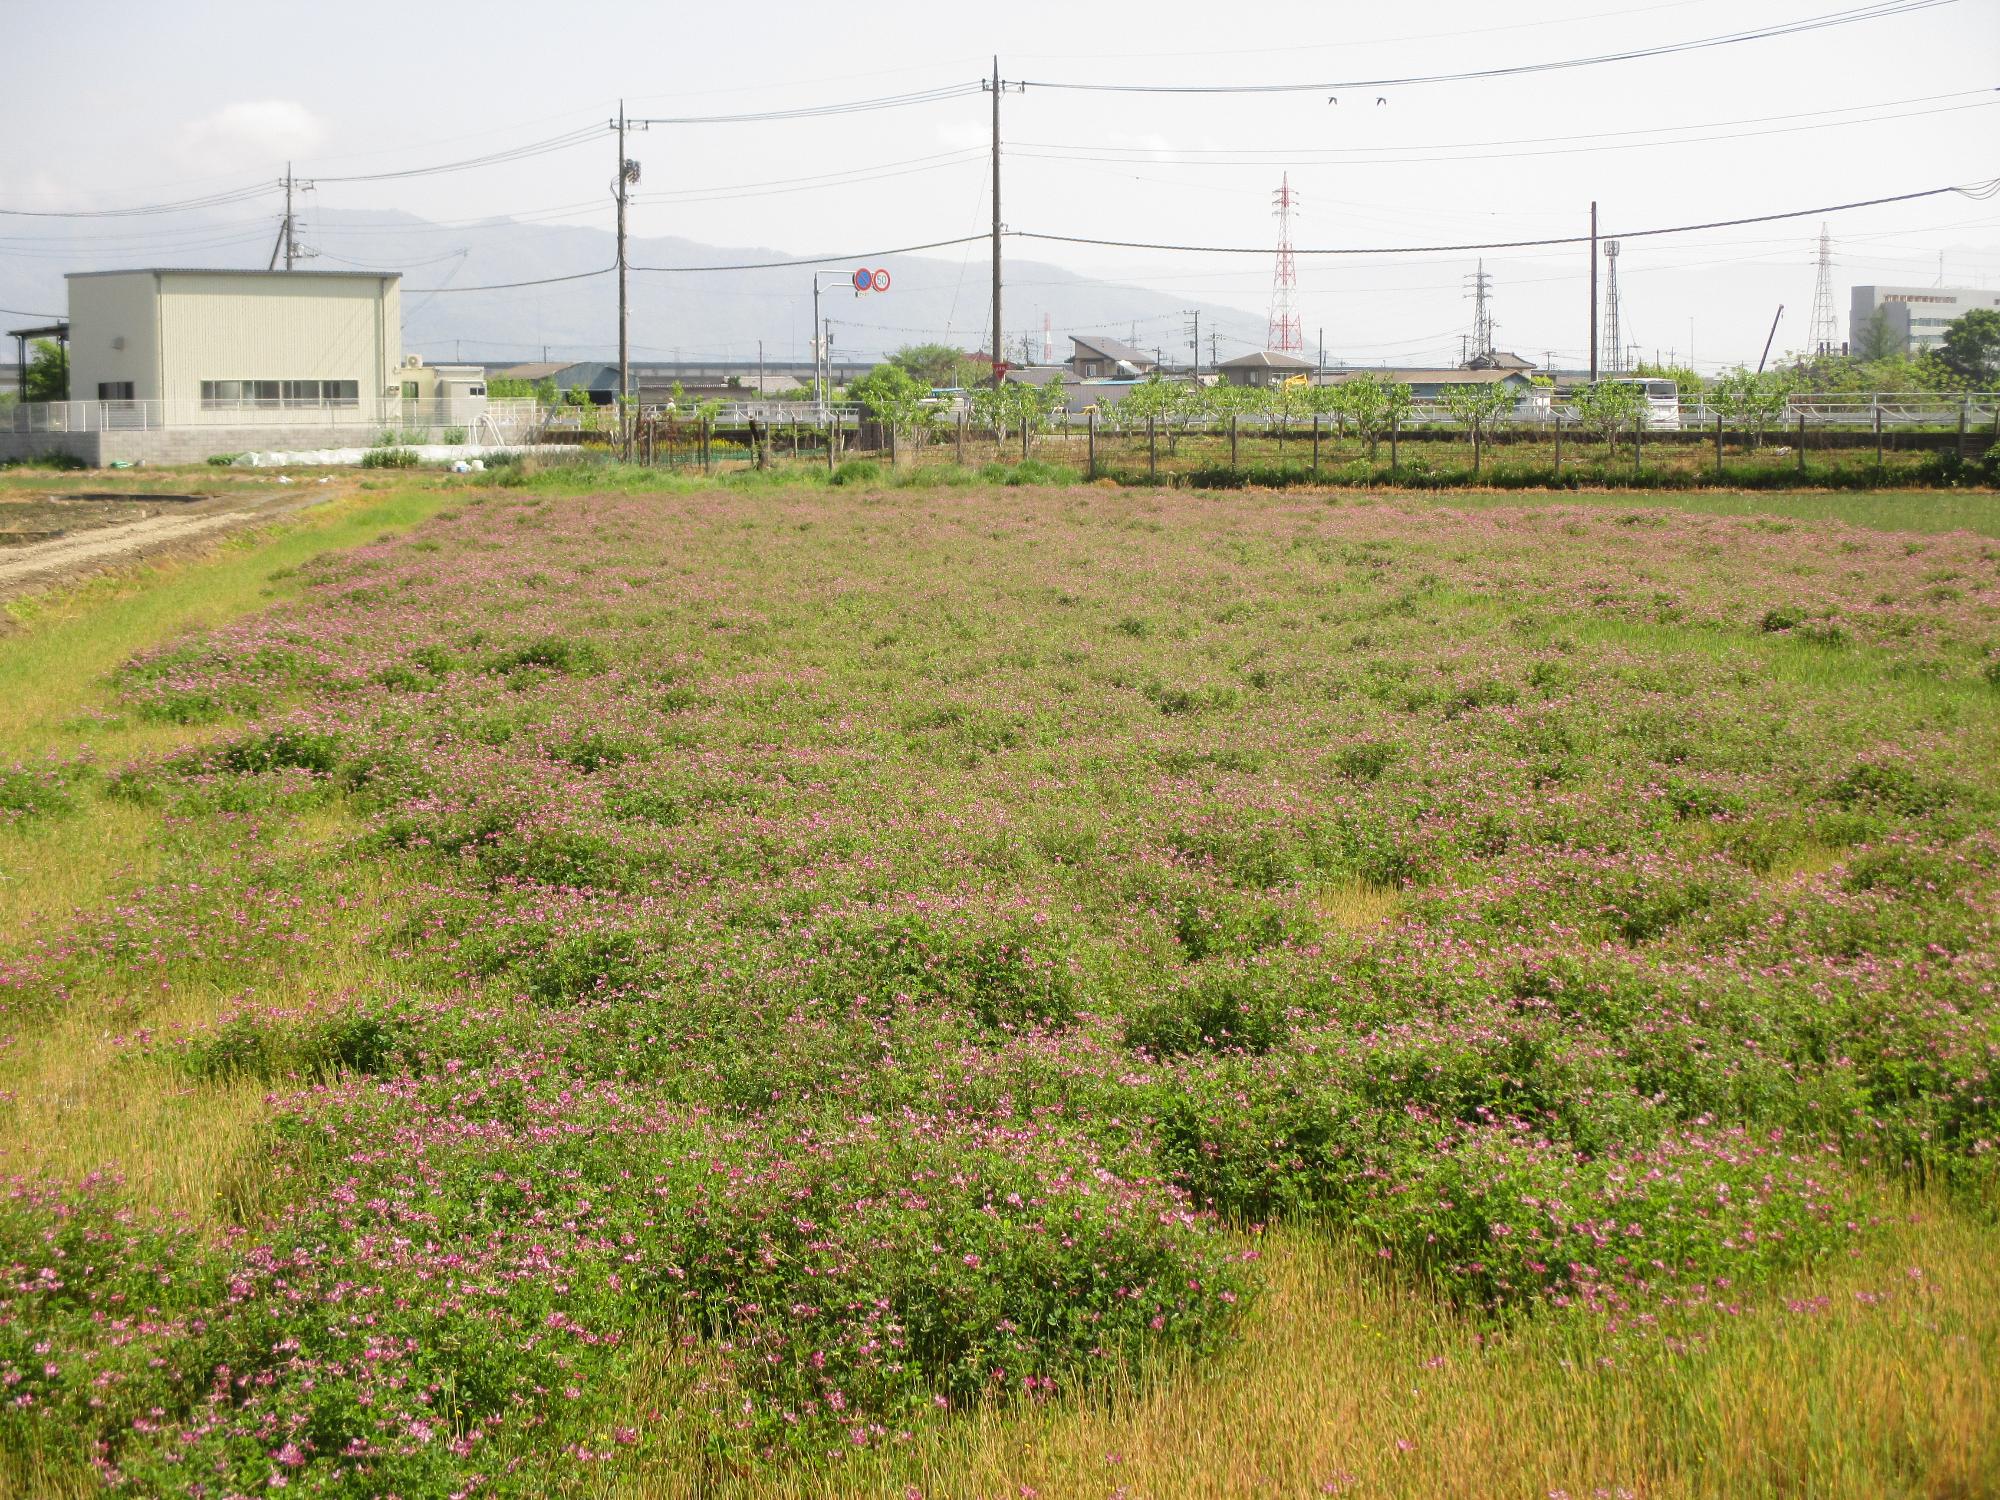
(737, 990)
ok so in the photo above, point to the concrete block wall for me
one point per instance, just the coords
(181, 445)
(20, 445)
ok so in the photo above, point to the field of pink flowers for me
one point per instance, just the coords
(851, 959)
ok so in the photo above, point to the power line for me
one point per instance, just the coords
(492, 158)
(818, 111)
(1977, 191)
(813, 260)
(507, 286)
(1599, 141)
(184, 205)
(1883, 10)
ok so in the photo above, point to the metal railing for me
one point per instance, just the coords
(511, 420)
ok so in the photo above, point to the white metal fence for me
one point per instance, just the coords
(483, 419)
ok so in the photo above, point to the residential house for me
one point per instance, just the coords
(1096, 358)
(1264, 367)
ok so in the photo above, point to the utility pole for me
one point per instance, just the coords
(999, 347)
(1319, 369)
(1195, 339)
(760, 369)
(288, 227)
(625, 173)
(628, 178)
(1593, 291)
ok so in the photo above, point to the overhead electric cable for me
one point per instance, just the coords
(561, 142)
(814, 260)
(1883, 10)
(185, 205)
(1981, 190)
(1601, 140)
(846, 107)
(505, 286)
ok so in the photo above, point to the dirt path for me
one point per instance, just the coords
(73, 555)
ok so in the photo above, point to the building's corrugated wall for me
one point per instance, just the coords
(219, 327)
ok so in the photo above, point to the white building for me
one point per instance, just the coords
(1916, 315)
(171, 366)
(264, 342)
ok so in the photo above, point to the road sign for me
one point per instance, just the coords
(881, 281)
(864, 279)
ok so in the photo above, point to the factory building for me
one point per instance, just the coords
(262, 343)
(172, 366)
(1916, 316)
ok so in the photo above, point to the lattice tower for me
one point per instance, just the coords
(1825, 330)
(1287, 333)
(1611, 345)
(1481, 347)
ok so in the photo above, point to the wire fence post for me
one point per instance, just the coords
(1802, 442)
(1718, 447)
(961, 437)
(1315, 445)
(1232, 441)
(1880, 457)
(1090, 438)
(1395, 444)
(1153, 449)
(1556, 421)
(831, 460)
(1638, 441)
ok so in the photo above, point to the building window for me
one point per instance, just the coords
(114, 390)
(225, 394)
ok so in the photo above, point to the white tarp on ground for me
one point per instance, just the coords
(427, 453)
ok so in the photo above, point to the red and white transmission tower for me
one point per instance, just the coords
(1048, 341)
(1287, 335)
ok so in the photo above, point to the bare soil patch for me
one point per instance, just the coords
(52, 535)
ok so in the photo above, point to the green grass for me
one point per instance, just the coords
(1924, 512)
(593, 851)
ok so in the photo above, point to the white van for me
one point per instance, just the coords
(1663, 402)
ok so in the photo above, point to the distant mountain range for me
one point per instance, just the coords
(943, 296)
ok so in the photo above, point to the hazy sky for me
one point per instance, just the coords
(109, 105)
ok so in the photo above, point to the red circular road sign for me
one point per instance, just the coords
(881, 281)
(863, 279)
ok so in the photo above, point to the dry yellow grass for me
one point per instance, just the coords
(1355, 905)
(1870, 1378)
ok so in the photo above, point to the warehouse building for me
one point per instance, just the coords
(260, 342)
(171, 366)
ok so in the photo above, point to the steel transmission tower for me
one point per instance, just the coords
(1481, 348)
(1611, 347)
(1287, 334)
(1825, 330)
